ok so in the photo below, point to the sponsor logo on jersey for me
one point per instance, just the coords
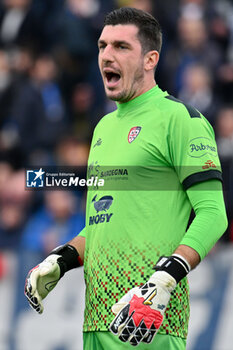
(103, 204)
(209, 164)
(98, 142)
(200, 146)
(114, 172)
(133, 133)
(106, 173)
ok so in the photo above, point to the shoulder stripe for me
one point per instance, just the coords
(200, 177)
(192, 111)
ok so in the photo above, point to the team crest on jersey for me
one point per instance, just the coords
(133, 133)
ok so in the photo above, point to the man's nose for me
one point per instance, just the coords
(107, 54)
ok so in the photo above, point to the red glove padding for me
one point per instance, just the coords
(139, 314)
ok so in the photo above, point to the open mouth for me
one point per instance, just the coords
(112, 77)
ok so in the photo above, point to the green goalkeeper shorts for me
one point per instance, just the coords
(108, 341)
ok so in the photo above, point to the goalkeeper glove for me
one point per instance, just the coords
(139, 313)
(44, 277)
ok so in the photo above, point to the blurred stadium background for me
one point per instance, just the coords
(51, 97)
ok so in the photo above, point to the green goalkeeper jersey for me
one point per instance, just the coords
(148, 152)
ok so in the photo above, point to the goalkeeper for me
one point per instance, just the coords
(136, 248)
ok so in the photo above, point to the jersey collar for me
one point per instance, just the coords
(122, 108)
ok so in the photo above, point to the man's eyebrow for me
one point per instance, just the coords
(101, 42)
(121, 42)
(115, 42)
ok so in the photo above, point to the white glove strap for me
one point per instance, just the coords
(185, 264)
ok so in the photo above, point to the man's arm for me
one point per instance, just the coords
(189, 254)
(209, 223)
(139, 314)
(78, 243)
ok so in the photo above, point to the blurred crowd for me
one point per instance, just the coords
(51, 97)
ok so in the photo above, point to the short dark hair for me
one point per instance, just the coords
(149, 30)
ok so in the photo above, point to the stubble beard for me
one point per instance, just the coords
(126, 95)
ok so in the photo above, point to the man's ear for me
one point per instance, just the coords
(151, 60)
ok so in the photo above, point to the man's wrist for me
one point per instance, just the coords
(176, 265)
(68, 258)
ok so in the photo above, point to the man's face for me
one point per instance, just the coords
(121, 62)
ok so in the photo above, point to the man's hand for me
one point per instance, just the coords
(41, 280)
(139, 314)
(44, 277)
